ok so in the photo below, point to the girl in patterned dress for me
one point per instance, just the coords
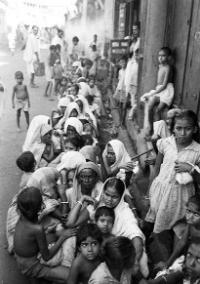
(176, 166)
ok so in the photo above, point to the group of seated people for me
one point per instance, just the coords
(74, 218)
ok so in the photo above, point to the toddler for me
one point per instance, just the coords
(57, 74)
(89, 240)
(26, 162)
(20, 98)
(104, 218)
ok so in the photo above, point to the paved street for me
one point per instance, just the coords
(10, 147)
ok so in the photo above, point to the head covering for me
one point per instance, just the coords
(69, 109)
(63, 102)
(74, 194)
(89, 153)
(126, 225)
(86, 112)
(121, 154)
(45, 179)
(71, 160)
(39, 126)
(75, 122)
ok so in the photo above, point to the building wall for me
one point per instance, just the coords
(173, 23)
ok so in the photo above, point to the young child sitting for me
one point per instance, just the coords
(30, 240)
(26, 162)
(163, 94)
(20, 98)
(104, 218)
(181, 234)
(89, 240)
(119, 258)
(62, 87)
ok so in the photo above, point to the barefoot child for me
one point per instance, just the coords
(89, 240)
(177, 157)
(163, 94)
(20, 98)
(30, 240)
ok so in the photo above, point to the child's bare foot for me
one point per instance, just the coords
(18, 129)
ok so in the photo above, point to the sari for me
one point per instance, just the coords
(121, 155)
(42, 179)
(86, 112)
(89, 153)
(74, 194)
(39, 126)
(70, 160)
(76, 123)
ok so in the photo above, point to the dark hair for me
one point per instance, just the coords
(123, 57)
(167, 50)
(19, 74)
(117, 183)
(87, 139)
(119, 252)
(88, 230)
(104, 211)
(58, 46)
(52, 47)
(195, 199)
(77, 87)
(26, 161)
(75, 140)
(29, 202)
(75, 38)
(136, 23)
(188, 115)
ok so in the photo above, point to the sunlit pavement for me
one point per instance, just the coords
(10, 147)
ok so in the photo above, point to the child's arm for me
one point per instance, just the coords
(162, 86)
(181, 244)
(13, 97)
(78, 216)
(74, 272)
(42, 242)
(28, 98)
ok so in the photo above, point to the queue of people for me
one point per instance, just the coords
(75, 218)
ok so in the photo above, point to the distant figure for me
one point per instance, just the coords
(163, 94)
(20, 98)
(76, 51)
(31, 54)
(12, 41)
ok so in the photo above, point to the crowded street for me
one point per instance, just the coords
(99, 142)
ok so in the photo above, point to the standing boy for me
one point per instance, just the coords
(20, 98)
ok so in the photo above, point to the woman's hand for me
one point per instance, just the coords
(68, 233)
(88, 199)
(128, 166)
(181, 167)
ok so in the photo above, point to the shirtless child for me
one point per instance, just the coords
(20, 98)
(89, 240)
(163, 94)
(31, 239)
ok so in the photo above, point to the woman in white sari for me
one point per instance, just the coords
(125, 223)
(38, 140)
(73, 126)
(87, 181)
(115, 157)
(45, 180)
(85, 112)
